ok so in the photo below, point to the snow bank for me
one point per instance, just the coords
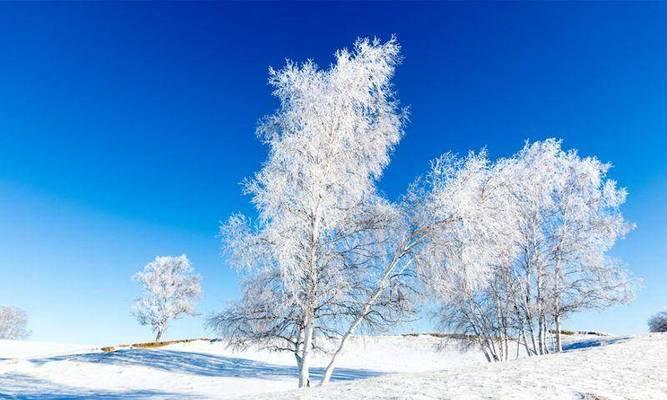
(19, 349)
(201, 368)
(603, 369)
(391, 368)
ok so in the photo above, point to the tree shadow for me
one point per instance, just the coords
(588, 343)
(24, 387)
(202, 364)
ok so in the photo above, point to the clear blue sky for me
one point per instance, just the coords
(126, 127)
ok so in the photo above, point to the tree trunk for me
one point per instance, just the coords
(526, 308)
(384, 283)
(540, 331)
(546, 334)
(330, 367)
(304, 368)
(531, 330)
(159, 335)
(559, 344)
(309, 314)
(557, 275)
(539, 305)
(299, 364)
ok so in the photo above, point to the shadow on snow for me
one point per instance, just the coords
(24, 387)
(205, 364)
(588, 343)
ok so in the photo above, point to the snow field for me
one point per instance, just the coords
(201, 369)
(389, 367)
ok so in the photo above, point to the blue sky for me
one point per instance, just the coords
(126, 127)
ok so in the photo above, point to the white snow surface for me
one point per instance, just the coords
(594, 369)
(396, 367)
(200, 369)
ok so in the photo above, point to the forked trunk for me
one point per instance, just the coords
(360, 317)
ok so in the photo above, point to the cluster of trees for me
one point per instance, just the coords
(508, 248)
(551, 217)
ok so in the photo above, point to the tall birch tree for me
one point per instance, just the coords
(329, 141)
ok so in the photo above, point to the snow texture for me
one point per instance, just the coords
(199, 369)
(602, 369)
(397, 368)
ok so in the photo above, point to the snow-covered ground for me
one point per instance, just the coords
(593, 369)
(397, 368)
(200, 369)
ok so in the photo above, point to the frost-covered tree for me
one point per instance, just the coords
(171, 290)
(13, 323)
(262, 317)
(458, 262)
(658, 322)
(329, 142)
(380, 256)
(569, 218)
(265, 317)
(436, 214)
(551, 218)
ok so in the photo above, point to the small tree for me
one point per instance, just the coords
(171, 290)
(658, 322)
(13, 323)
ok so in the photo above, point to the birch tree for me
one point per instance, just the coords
(386, 282)
(13, 323)
(466, 258)
(570, 218)
(263, 317)
(171, 289)
(551, 218)
(438, 212)
(329, 142)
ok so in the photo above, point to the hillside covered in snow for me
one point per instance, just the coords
(200, 369)
(593, 369)
(389, 367)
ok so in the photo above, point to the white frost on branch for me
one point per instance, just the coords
(171, 290)
(329, 142)
(547, 219)
(13, 323)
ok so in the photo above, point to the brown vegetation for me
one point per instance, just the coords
(150, 345)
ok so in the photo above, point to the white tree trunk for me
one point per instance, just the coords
(304, 367)
(559, 344)
(382, 285)
(330, 367)
(309, 320)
